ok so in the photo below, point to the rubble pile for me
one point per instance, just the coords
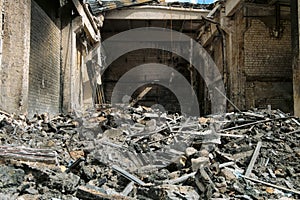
(145, 153)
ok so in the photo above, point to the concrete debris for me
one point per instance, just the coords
(141, 153)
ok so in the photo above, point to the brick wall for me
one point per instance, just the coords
(158, 94)
(267, 56)
(268, 66)
(44, 71)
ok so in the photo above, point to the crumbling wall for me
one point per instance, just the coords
(15, 55)
(44, 71)
(268, 70)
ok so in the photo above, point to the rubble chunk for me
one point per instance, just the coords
(199, 162)
(229, 176)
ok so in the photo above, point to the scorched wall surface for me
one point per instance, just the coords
(44, 70)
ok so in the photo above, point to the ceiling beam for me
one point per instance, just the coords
(89, 26)
(157, 13)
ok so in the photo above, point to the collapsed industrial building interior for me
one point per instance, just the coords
(149, 99)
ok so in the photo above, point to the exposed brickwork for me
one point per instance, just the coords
(44, 71)
(158, 94)
(261, 94)
(267, 56)
(268, 66)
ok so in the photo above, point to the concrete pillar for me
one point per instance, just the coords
(235, 85)
(66, 57)
(295, 17)
(14, 70)
(297, 99)
(71, 67)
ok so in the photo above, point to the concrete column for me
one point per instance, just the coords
(71, 68)
(297, 83)
(66, 57)
(14, 70)
(235, 61)
(295, 17)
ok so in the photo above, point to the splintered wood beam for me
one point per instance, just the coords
(140, 96)
(28, 154)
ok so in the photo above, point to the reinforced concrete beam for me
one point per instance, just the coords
(89, 25)
(257, 10)
(157, 13)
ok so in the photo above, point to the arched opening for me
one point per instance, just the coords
(158, 94)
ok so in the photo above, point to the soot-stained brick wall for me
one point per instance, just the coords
(268, 66)
(158, 94)
(44, 70)
(267, 56)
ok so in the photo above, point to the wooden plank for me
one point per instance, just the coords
(140, 96)
(28, 154)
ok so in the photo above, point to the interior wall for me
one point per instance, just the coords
(44, 70)
(159, 94)
(268, 66)
(256, 61)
